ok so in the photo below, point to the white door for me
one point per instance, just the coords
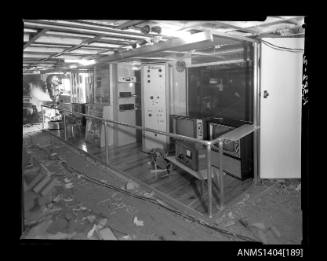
(280, 117)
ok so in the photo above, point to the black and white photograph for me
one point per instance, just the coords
(164, 130)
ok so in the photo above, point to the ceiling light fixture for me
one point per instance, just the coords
(82, 61)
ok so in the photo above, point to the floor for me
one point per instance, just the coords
(269, 212)
(178, 185)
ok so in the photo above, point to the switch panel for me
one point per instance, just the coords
(127, 79)
(126, 107)
(125, 104)
(155, 112)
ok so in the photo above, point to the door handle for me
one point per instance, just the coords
(265, 94)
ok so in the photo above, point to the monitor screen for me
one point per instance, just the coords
(185, 127)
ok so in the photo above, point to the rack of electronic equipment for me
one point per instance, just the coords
(237, 155)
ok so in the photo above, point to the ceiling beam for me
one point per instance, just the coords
(130, 23)
(236, 27)
(226, 35)
(76, 28)
(97, 55)
(34, 38)
(198, 39)
(49, 53)
(263, 25)
(122, 42)
(83, 43)
(51, 45)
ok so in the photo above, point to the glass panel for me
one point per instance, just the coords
(220, 83)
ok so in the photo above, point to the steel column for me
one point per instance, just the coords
(209, 179)
(42, 110)
(221, 175)
(65, 128)
(106, 142)
(256, 110)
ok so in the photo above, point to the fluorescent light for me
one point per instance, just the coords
(26, 37)
(43, 49)
(73, 66)
(58, 40)
(71, 60)
(174, 33)
(82, 62)
(85, 51)
(69, 34)
(27, 55)
(28, 30)
(186, 36)
(105, 45)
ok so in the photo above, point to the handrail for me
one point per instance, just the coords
(234, 134)
(173, 135)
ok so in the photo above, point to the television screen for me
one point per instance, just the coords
(185, 127)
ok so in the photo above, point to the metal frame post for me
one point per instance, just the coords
(106, 141)
(42, 110)
(256, 110)
(209, 179)
(221, 174)
(65, 129)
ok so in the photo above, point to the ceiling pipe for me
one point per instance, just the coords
(198, 39)
(79, 28)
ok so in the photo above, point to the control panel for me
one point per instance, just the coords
(199, 129)
(125, 99)
(127, 79)
(155, 105)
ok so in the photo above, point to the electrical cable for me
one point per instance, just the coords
(156, 202)
(281, 48)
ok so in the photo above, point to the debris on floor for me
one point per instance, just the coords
(53, 210)
(258, 225)
(275, 231)
(106, 234)
(69, 185)
(103, 222)
(148, 195)
(138, 222)
(127, 237)
(262, 237)
(131, 185)
(90, 234)
(91, 218)
(244, 199)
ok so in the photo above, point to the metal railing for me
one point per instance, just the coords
(233, 135)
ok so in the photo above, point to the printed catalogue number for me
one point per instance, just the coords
(283, 252)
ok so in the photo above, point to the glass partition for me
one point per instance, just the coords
(221, 84)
